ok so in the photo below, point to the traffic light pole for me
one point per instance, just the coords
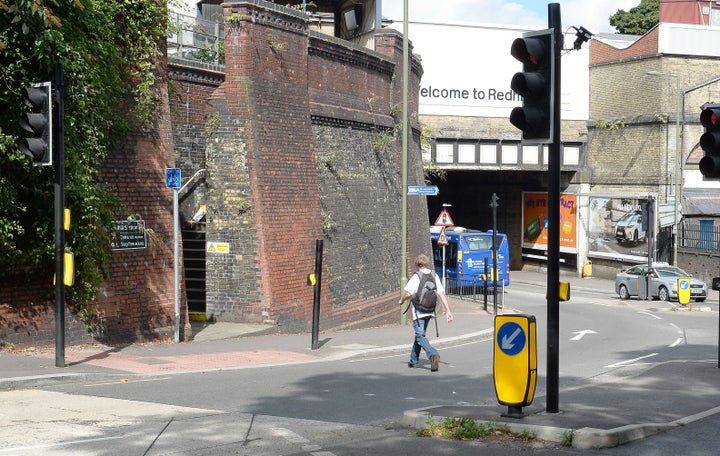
(59, 160)
(494, 205)
(553, 275)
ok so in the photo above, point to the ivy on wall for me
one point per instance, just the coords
(109, 51)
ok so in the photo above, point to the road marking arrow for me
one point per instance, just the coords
(507, 342)
(581, 334)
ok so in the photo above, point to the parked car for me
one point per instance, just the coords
(663, 282)
(630, 228)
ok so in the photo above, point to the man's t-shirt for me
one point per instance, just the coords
(412, 287)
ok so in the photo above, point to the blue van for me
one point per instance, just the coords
(468, 256)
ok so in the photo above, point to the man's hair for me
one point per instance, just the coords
(422, 261)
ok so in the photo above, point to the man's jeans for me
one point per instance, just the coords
(421, 342)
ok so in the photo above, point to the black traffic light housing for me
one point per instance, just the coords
(710, 140)
(39, 123)
(536, 84)
(645, 211)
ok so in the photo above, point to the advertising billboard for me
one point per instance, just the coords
(467, 69)
(535, 222)
(616, 229)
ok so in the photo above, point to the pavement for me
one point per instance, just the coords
(599, 414)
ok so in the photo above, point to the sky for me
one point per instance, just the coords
(592, 14)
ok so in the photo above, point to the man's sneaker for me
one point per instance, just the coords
(411, 365)
(435, 363)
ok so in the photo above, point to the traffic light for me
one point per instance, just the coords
(710, 140)
(39, 123)
(645, 215)
(536, 83)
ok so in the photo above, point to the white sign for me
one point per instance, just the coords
(468, 68)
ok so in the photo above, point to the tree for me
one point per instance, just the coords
(639, 19)
(109, 50)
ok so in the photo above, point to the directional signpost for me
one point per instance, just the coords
(515, 362)
(430, 190)
(173, 179)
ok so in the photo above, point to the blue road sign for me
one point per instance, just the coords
(172, 178)
(511, 338)
(422, 190)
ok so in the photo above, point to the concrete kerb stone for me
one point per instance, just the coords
(590, 438)
(38, 381)
(583, 439)
(421, 418)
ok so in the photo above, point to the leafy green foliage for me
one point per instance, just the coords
(467, 428)
(456, 428)
(638, 20)
(109, 51)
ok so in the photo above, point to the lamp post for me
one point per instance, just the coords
(678, 157)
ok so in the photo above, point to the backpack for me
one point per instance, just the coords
(426, 297)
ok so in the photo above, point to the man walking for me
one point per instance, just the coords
(421, 319)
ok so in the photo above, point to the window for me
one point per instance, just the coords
(531, 155)
(488, 154)
(510, 154)
(466, 153)
(571, 156)
(444, 153)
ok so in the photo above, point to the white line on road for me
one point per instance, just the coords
(650, 315)
(289, 435)
(580, 334)
(630, 361)
(53, 445)
(677, 342)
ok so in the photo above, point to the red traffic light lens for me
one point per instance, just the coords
(530, 51)
(709, 117)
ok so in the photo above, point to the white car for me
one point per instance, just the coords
(630, 228)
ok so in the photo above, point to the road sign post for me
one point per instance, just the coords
(515, 362)
(173, 179)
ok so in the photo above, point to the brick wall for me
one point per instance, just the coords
(137, 301)
(266, 128)
(27, 315)
(303, 146)
(602, 52)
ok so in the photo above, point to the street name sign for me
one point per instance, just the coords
(431, 190)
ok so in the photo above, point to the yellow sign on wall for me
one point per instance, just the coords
(515, 359)
(218, 247)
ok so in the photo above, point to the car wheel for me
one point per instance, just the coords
(700, 300)
(663, 294)
(623, 292)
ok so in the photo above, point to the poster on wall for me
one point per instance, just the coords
(535, 222)
(615, 229)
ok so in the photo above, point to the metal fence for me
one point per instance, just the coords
(700, 235)
(198, 39)
(477, 291)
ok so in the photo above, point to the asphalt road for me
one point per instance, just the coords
(352, 406)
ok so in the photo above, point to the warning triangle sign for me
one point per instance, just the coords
(442, 238)
(444, 219)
